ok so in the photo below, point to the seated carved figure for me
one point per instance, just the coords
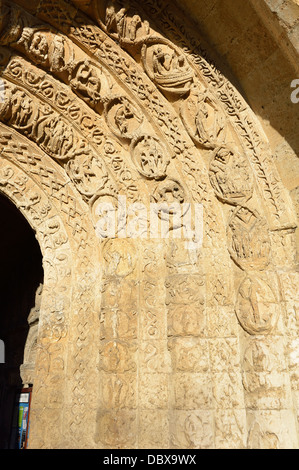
(85, 81)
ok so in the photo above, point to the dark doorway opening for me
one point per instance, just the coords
(21, 273)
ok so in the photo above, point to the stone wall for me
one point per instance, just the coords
(150, 339)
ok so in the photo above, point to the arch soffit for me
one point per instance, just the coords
(113, 109)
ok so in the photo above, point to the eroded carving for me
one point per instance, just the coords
(167, 67)
(150, 157)
(123, 117)
(230, 176)
(121, 22)
(248, 240)
(204, 119)
(257, 306)
(88, 172)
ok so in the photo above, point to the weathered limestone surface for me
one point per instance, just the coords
(143, 340)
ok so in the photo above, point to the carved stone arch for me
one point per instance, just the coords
(119, 100)
(31, 200)
(40, 190)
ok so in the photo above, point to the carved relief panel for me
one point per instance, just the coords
(125, 103)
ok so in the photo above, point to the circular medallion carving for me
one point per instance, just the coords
(123, 117)
(230, 176)
(150, 157)
(87, 172)
(167, 66)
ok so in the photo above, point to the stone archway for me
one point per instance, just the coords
(21, 275)
(26, 182)
(102, 101)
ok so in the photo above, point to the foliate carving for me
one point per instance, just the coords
(248, 240)
(204, 119)
(230, 176)
(187, 290)
(194, 360)
(122, 116)
(149, 156)
(167, 66)
(257, 306)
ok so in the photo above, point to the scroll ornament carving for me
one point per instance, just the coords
(54, 52)
(169, 70)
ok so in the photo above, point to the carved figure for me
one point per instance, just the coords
(56, 137)
(121, 22)
(256, 307)
(87, 172)
(204, 119)
(149, 157)
(230, 176)
(39, 48)
(167, 67)
(123, 117)
(85, 81)
(57, 60)
(21, 109)
(248, 240)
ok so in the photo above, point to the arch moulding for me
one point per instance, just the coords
(147, 341)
